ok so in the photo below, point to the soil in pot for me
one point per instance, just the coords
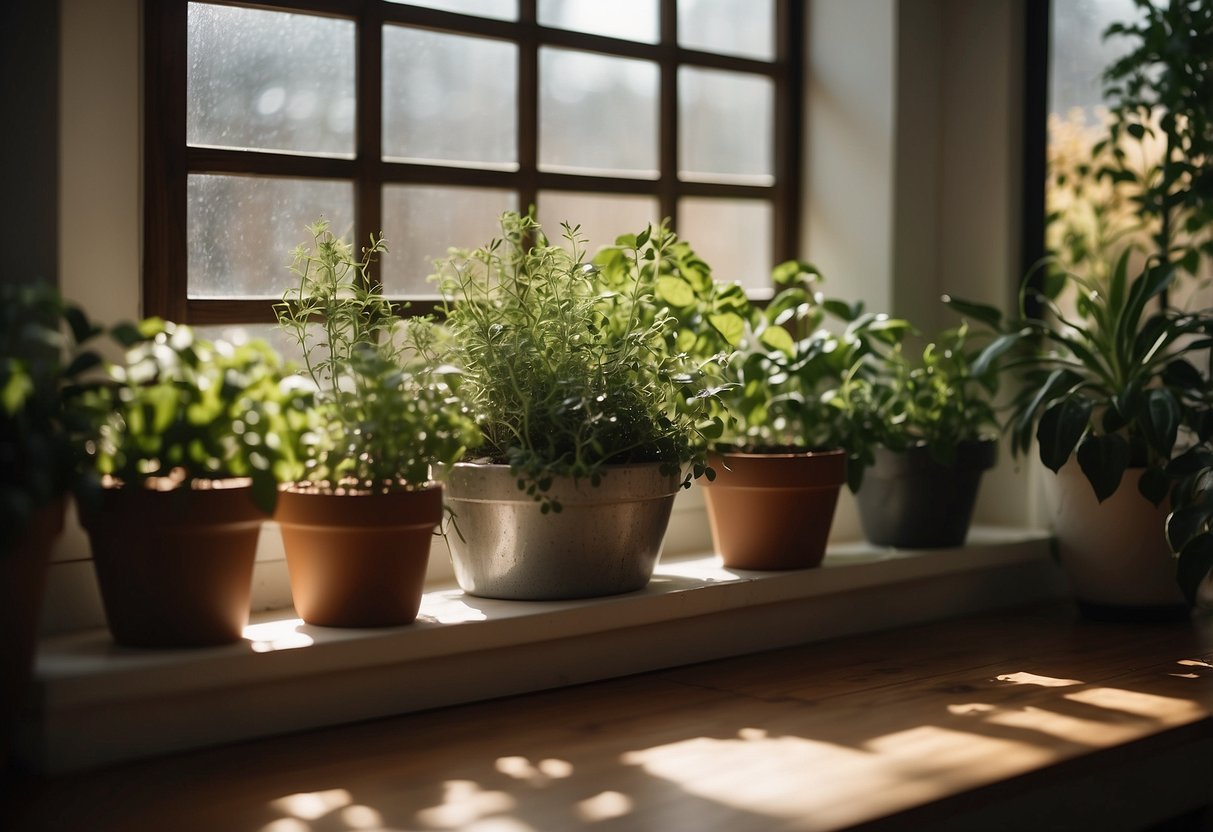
(358, 559)
(605, 540)
(1115, 553)
(912, 501)
(774, 511)
(175, 567)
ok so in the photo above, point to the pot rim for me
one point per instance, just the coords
(494, 482)
(807, 454)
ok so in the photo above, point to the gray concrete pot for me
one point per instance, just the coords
(605, 541)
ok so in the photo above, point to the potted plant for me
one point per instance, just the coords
(191, 438)
(43, 357)
(590, 421)
(920, 434)
(1109, 392)
(780, 461)
(357, 524)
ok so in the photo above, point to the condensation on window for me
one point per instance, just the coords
(449, 98)
(242, 230)
(271, 81)
(597, 114)
(725, 126)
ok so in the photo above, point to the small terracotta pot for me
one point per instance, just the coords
(774, 511)
(22, 583)
(358, 560)
(175, 568)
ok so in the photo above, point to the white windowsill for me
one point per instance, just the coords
(101, 703)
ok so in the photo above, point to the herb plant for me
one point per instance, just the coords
(938, 400)
(44, 360)
(569, 366)
(385, 412)
(182, 410)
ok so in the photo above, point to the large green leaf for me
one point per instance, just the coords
(1060, 429)
(988, 315)
(1160, 422)
(1103, 460)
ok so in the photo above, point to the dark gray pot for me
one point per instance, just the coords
(910, 501)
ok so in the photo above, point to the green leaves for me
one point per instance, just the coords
(182, 408)
(1103, 460)
(1060, 428)
(571, 365)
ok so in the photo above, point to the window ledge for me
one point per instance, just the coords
(99, 703)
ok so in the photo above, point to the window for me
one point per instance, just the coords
(426, 120)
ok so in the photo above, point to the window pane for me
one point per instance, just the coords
(602, 217)
(500, 9)
(1078, 54)
(242, 230)
(449, 98)
(270, 81)
(627, 19)
(421, 223)
(734, 27)
(732, 235)
(597, 114)
(725, 130)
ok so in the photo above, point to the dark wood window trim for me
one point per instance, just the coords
(169, 160)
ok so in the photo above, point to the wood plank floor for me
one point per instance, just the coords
(1029, 720)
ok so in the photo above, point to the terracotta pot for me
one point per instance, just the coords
(911, 501)
(1114, 553)
(774, 511)
(358, 560)
(605, 540)
(175, 567)
(22, 582)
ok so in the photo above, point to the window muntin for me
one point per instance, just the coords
(534, 138)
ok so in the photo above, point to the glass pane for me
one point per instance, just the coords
(500, 9)
(1078, 54)
(242, 230)
(627, 19)
(602, 217)
(283, 342)
(270, 81)
(725, 126)
(597, 114)
(449, 98)
(421, 223)
(732, 235)
(733, 27)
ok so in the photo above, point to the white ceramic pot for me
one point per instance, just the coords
(1115, 553)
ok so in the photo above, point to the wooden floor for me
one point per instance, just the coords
(1024, 720)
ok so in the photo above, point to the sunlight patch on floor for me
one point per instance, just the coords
(465, 803)
(1025, 678)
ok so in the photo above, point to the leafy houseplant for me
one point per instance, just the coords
(357, 525)
(44, 356)
(923, 430)
(1110, 385)
(568, 369)
(191, 439)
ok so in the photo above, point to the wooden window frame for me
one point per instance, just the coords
(169, 161)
